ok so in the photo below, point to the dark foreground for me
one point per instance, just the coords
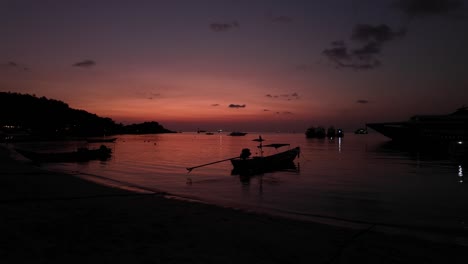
(57, 218)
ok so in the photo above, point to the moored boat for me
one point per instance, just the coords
(237, 133)
(81, 155)
(360, 131)
(257, 164)
(315, 132)
(427, 128)
(245, 164)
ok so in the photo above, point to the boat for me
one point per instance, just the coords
(80, 155)
(360, 131)
(331, 132)
(339, 133)
(447, 128)
(315, 132)
(101, 140)
(244, 164)
(237, 133)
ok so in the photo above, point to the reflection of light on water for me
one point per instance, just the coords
(339, 144)
(460, 173)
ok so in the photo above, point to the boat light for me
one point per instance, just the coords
(460, 142)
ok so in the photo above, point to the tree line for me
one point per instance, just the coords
(49, 118)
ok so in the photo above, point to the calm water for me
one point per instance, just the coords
(360, 178)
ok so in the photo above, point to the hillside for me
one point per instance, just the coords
(48, 119)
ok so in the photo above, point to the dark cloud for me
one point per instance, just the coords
(284, 113)
(266, 110)
(153, 95)
(215, 105)
(236, 106)
(362, 101)
(15, 65)
(369, 40)
(285, 96)
(418, 8)
(85, 64)
(222, 27)
(380, 34)
(282, 19)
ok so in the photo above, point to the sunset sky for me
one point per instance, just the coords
(248, 65)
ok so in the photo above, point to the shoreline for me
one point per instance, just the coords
(55, 217)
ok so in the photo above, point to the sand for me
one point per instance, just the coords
(57, 218)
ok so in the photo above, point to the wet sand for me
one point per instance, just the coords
(51, 217)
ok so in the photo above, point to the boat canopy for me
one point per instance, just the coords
(277, 145)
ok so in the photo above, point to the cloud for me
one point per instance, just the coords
(284, 96)
(282, 19)
(284, 113)
(362, 101)
(420, 8)
(369, 40)
(266, 110)
(85, 64)
(215, 105)
(153, 95)
(16, 66)
(380, 34)
(223, 27)
(237, 106)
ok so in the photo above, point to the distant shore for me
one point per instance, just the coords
(52, 217)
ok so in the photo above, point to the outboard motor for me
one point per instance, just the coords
(245, 154)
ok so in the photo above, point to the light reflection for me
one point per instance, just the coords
(460, 173)
(339, 144)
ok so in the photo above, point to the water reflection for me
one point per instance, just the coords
(245, 176)
(420, 152)
(460, 173)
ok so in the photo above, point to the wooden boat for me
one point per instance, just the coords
(246, 164)
(102, 140)
(237, 133)
(81, 155)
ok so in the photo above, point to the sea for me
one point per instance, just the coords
(358, 180)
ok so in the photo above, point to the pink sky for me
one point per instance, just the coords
(183, 64)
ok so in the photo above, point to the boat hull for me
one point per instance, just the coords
(82, 155)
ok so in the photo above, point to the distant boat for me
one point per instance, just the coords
(315, 132)
(81, 155)
(236, 133)
(339, 133)
(331, 132)
(209, 133)
(360, 131)
(95, 140)
(427, 128)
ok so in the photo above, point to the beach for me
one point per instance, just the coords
(50, 217)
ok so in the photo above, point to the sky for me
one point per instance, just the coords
(240, 65)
